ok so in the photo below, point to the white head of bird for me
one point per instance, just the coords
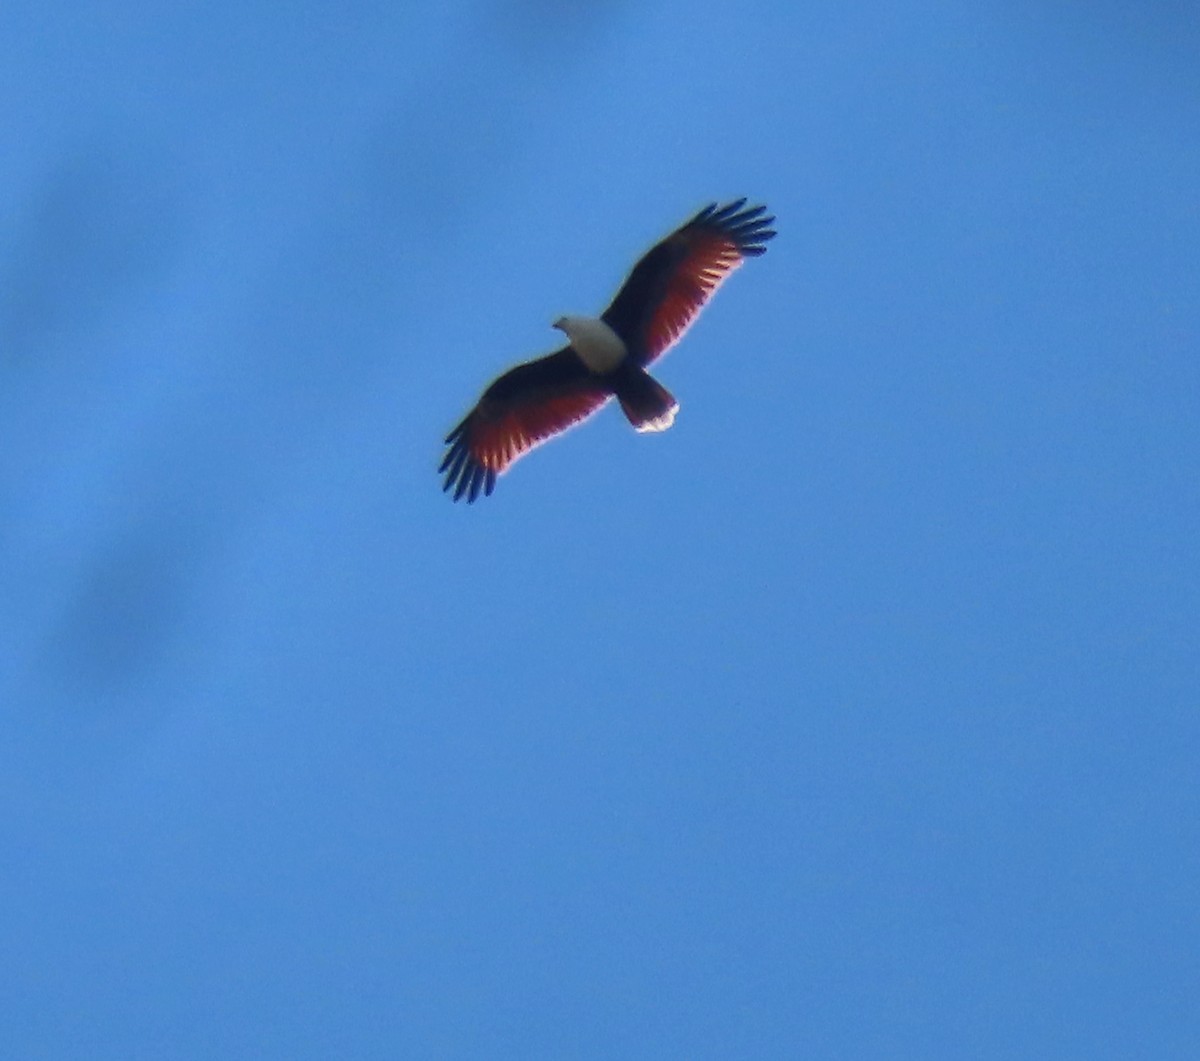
(598, 346)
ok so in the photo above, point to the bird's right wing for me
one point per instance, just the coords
(523, 408)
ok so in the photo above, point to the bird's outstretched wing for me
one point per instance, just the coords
(670, 285)
(526, 406)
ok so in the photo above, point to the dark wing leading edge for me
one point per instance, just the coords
(670, 285)
(526, 406)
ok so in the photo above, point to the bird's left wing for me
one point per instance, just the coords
(670, 285)
(523, 408)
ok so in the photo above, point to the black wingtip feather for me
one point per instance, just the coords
(465, 476)
(460, 463)
(461, 488)
(478, 474)
(750, 216)
(749, 227)
(729, 210)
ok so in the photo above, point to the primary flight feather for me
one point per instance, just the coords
(606, 356)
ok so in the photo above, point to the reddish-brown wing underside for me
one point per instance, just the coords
(523, 408)
(670, 285)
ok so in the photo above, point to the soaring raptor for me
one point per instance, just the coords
(607, 355)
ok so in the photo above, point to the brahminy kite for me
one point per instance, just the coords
(606, 356)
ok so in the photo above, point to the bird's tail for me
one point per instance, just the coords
(646, 402)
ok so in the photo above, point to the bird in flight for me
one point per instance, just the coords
(606, 356)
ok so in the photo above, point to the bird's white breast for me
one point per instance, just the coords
(598, 346)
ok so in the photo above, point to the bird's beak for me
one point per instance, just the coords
(559, 324)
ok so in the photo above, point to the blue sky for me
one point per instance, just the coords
(854, 716)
